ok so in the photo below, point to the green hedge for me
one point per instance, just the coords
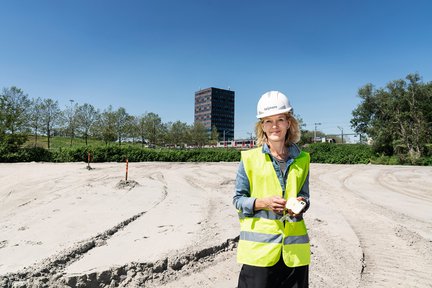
(339, 154)
(119, 154)
(320, 153)
(358, 154)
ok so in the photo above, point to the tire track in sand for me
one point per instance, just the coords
(389, 259)
(392, 181)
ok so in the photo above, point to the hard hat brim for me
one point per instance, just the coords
(271, 113)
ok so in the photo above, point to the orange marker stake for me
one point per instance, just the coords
(127, 168)
(88, 160)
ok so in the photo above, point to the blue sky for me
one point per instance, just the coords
(152, 55)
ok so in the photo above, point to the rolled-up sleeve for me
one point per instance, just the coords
(242, 200)
(304, 192)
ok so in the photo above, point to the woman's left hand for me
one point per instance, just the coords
(291, 213)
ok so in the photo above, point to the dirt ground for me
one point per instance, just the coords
(174, 225)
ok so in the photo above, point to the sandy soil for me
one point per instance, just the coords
(173, 225)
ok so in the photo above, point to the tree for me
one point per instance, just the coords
(122, 123)
(141, 129)
(198, 134)
(106, 126)
(86, 117)
(35, 117)
(397, 117)
(69, 120)
(177, 133)
(50, 116)
(214, 136)
(153, 127)
(133, 129)
(14, 117)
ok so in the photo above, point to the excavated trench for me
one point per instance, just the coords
(152, 274)
(50, 273)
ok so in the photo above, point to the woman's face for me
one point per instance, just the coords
(276, 127)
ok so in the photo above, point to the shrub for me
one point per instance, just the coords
(339, 153)
(38, 154)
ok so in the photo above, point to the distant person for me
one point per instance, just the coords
(274, 253)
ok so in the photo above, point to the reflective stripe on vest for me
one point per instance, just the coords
(263, 237)
(270, 238)
(296, 239)
(260, 237)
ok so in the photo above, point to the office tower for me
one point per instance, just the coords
(215, 107)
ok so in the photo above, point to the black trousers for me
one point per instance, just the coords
(277, 276)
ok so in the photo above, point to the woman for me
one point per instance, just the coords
(274, 253)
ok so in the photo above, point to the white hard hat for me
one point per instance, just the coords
(272, 103)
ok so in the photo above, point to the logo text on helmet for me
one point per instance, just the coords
(269, 108)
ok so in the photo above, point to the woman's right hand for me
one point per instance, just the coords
(274, 203)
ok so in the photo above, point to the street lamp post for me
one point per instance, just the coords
(316, 124)
(342, 134)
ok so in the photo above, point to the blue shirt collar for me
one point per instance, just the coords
(293, 150)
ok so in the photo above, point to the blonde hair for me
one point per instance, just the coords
(292, 135)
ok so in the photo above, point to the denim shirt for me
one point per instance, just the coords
(242, 200)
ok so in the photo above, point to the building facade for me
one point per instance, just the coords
(214, 107)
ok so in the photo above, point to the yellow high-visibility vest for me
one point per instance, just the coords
(262, 236)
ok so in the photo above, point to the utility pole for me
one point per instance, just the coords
(154, 132)
(316, 124)
(71, 120)
(342, 134)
